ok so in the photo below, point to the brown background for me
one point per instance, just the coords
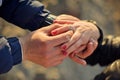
(105, 12)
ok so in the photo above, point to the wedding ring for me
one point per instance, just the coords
(72, 28)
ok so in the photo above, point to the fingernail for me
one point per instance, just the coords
(83, 62)
(64, 47)
(91, 43)
(64, 53)
(54, 32)
(73, 54)
(54, 21)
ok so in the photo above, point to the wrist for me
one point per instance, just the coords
(50, 18)
(100, 38)
(15, 50)
(22, 44)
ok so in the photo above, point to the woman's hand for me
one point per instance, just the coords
(84, 34)
(80, 55)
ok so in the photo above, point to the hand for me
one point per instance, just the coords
(83, 32)
(82, 54)
(63, 19)
(42, 48)
(67, 18)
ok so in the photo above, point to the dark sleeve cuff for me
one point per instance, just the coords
(101, 36)
(15, 50)
(6, 61)
(94, 58)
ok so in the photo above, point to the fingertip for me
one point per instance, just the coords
(54, 21)
(65, 53)
(54, 32)
(63, 47)
(83, 62)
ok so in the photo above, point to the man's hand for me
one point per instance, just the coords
(42, 48)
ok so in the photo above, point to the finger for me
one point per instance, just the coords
(72, 40)
(78, 60)
(63, 29)
(76, 36)
(67, 17)
(61, 38)
(64, 21)
(89, 50)
(84, 39)
(49, 28)
(81, 48)
(77, 43)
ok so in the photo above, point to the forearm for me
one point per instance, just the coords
(10, 53)
(27, 14)
(106, 53)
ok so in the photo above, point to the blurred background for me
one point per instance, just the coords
(105, 12)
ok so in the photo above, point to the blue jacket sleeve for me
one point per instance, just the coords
(27, 14)
(10, 53)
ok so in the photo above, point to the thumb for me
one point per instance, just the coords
(51, 27)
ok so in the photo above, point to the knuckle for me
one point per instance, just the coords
(80, 30)
(75, 38)
(76, 45)
(45, 44)
(69, 35)
(56, 24)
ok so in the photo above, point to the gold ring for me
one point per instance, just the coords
(72, 28)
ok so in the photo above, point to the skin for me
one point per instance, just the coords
(42, 48)
(84, 40)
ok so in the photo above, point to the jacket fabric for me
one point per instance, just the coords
(27, 14)
(107, 52)
(0, 2)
